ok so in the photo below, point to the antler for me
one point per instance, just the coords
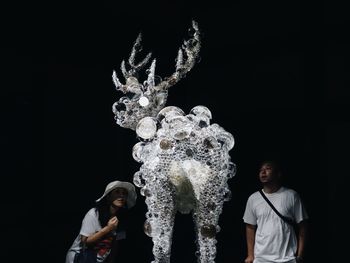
(132, 84)
(190, 49)
(186, 59)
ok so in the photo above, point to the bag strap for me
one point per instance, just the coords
(286, 219)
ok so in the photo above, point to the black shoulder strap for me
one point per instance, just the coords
(286, 219)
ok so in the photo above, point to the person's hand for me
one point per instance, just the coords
(113, 223)
(249, 259)
(299, 259)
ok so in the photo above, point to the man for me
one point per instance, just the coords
(269, 238)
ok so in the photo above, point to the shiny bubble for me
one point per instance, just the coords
(165, 144)
(208, 231)
(146, 128)
(147, 228)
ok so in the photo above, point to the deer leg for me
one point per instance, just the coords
(206, 217)
(160, 220)
(206, 231)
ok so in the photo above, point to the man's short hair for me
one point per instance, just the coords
(274, 163)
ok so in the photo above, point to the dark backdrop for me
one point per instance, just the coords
(273, 73)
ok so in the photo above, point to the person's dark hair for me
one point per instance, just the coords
(103, 211)
(104, 215)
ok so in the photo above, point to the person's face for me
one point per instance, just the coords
(268, 173)
(118, 197)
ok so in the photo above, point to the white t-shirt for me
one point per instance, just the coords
(89, 226)
(275, 240)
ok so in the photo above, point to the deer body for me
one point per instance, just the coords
(185, 159)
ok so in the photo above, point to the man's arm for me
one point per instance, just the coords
(250, 237)
(302, 239)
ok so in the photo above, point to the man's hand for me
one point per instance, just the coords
(299, 259)
(249, 259)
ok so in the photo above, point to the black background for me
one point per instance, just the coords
(273, 73)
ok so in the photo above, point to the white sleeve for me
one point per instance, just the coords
(249, 216)
(90, 223)
(300, 213)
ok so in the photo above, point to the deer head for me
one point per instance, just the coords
(147, 98)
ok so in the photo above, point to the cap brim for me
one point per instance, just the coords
(132, 196)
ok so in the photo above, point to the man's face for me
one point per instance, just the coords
(267, 173)
(118, 197)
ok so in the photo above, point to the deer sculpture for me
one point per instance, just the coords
(185, 159)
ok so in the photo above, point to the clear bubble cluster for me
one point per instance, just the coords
(185, 159)
(185, 167)
(148, 97)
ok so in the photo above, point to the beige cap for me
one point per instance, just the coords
(119, 184)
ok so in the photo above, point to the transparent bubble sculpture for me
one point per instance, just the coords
(185, 159)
